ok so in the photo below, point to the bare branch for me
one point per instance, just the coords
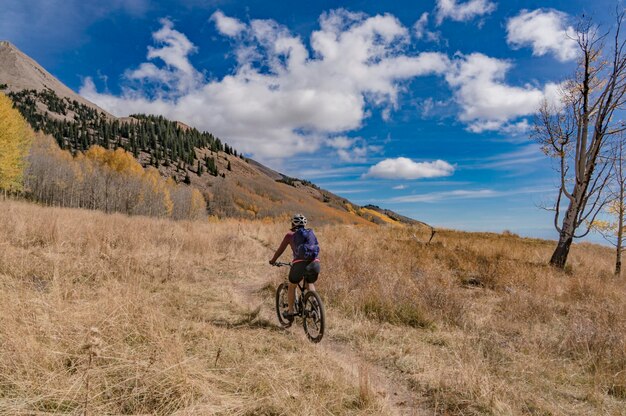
(557, 208)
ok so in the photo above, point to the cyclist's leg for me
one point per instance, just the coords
(295, 276)
(311, 273)
(291, 296)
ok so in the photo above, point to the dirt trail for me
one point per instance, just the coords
(251, 294)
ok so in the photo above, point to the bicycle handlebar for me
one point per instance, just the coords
(281, 264)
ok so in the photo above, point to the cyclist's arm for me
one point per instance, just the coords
(281, 248)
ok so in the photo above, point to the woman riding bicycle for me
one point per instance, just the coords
(305, 263)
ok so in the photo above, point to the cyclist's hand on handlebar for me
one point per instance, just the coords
(272, 262)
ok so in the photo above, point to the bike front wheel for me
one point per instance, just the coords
(282, 304)
(313, 316)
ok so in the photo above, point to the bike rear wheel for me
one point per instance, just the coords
(313, 316)
(282, 304)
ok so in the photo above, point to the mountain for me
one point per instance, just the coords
(19, 72)
(232, 185)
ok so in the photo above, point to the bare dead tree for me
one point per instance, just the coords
(611, 225)
(577, 133)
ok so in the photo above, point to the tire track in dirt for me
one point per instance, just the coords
(373, 380)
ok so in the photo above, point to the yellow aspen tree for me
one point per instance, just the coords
(161, 203)
(167, 200)
(126, 173)
(111, 180)
(198, 205)
(15, 139)
(124, 162)
(96, 153)
(118, 160)
(180, 202)
(100, 155)
(115, 164)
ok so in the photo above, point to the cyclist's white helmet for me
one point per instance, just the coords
(298, 220)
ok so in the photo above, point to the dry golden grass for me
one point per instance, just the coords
(168, 334)
(117, 315)
(504, 333)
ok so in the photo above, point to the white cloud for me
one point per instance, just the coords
(473, 194)
(517, 128)
(348, 191)
(281, 100)
(525, 156)
(430, 107)
(399, 187)
(228, 26)
(446, 195)
(284, 99)
(352, 149)
(462, 12)
(487, 102)
(341, 142)
(356, 154)
(545, 31)
(179, 76)
(404, 168)
(420, 30)
(514, 128)
(328, 172)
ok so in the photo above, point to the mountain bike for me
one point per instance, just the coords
(307, 305)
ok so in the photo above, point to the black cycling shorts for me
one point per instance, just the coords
(307, 269)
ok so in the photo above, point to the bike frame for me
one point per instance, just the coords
(315, 312)
(301, 285)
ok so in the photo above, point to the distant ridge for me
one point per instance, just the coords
(19, 72)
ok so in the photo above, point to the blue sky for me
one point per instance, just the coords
(424, 107)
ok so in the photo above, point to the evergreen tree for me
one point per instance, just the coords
(164, 141)
(211, 166)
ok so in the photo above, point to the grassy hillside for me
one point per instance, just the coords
(232, 185)
(111, 314)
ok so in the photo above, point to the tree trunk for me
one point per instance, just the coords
(620, 220)
(620, 237)
(559, 257)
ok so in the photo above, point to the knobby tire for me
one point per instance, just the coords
(314, 316)
(282, 304)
